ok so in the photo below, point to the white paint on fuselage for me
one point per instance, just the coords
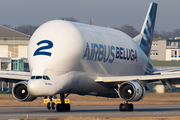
(67, 48)
(111, 37)
(66, 67)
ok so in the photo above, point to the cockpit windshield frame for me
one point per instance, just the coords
(40, 77)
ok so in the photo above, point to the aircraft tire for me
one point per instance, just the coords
(131, 107)
(126, 107)
(63, 107)
(58, 107)
(67, 107)
(121, 107)
(48, 106)
(53, 106)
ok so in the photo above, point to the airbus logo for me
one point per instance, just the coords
(99, 52)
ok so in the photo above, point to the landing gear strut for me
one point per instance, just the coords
(126, 107)
(63, 106)
(50, 104)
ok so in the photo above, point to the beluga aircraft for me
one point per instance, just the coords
(67, 57)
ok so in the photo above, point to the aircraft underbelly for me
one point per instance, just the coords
(87, 86)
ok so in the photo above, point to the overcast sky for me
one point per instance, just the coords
(112, 13)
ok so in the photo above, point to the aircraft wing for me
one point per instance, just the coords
(14, 76)
(167, 79)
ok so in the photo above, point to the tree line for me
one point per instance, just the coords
(128, 29)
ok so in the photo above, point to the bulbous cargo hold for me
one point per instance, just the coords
(55, 48)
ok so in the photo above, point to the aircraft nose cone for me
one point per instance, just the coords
(41, 87)
(34, 87)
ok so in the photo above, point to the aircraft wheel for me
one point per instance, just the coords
(131, 107)
(121, 107)
(53, 106)
(126, 107)
(48, 106)
(63, 107)
(58, 108)
(67, 107)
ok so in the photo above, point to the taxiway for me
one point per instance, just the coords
(89, 111)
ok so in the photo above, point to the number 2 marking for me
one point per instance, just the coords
(39, 50)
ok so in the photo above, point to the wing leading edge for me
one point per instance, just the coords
(14, 76)
(167, 79)
(158, 71)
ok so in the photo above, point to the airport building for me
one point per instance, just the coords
(165, 50)
(13, 53)
(13, 50)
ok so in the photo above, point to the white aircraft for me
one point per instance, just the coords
(67, 57)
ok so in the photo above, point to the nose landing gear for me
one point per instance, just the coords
(51, 104)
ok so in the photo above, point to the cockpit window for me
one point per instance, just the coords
(44, 77)
(38, 77)
(47, 78)
(32, 77)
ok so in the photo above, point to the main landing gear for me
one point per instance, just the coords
(63, 106)
(126, 107)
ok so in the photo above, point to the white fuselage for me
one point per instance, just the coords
(74, 54)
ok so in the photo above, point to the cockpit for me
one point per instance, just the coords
(40, 77)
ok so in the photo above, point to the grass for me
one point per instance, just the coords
(14, 38)
(166, 63)
(3, 92)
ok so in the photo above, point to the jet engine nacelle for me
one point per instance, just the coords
(131, 91)
(21, 93)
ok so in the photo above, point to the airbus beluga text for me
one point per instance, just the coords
(67, 57)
